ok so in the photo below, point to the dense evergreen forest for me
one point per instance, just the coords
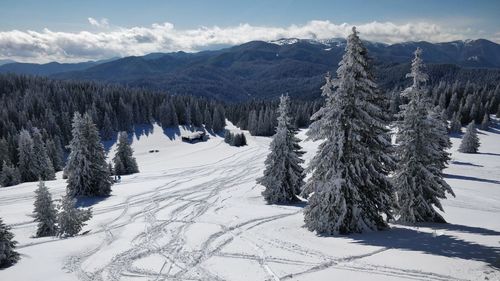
(40, 110)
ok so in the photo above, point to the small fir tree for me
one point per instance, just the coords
(470, 142)
(9, 175)
(87, 170)
(284, 175)
(485, 124)
(455, 125)
(228, 137)
(125, 163)
(8, 255)
(28, 171)
(70, 219)
(41, 160)
(45, 212)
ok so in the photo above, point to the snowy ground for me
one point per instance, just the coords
(195, 213)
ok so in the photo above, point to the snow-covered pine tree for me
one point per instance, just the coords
(187, 116)
(349, 184)
(243, 140)
(41, 159)
(228, 137)
(252, 122)
(107, 128)
(55, 153)
(439, 136)
(9, 175)
(218, 120)
(45, 212)
(236, 140)
(111, 169)
(70, 219)
(26, 157)
(125, 163)
(207, 118)
(455, 124)
(196, 114)
(470, 141)
(421, 142)
(284, 175)
(87, 170)
(4, 151)
(8, 255)
(485, 123)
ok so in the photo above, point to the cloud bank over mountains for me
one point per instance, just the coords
(106, 40)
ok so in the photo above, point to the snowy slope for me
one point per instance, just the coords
(195, 213)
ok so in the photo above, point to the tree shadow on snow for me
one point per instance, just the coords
(465, 164)
(489, 153)
(468, 178)
(456, 135)
(460, 228)
(108, 144)
(87, 201)
(141, 130)
(172, 132)
(494, 127)
(219, 134)
(299, 204)
(431, 243)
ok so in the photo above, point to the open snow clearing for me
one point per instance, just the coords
(195, 212)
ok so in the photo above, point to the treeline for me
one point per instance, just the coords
(260, 117)
(461, 102)
(38, 111)
(235, 139)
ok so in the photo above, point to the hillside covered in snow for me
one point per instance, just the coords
(195, 212)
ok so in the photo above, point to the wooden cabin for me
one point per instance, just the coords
(194, 136)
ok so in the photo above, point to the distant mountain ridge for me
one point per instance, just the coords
(47, 68)
(259, 69)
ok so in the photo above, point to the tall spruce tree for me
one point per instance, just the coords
(283, 176)
(70, 219)
(8, 255)
(9, 175)
(56, 153)
(470, 141)
(252, 122)
(125, 163)
(421, 143)
(218, 120)
(207, 119)
(41, 161)
(87, 170)
(485, 123)
(455, 124)
(28, 171)
(4, 151)
(107, 128)
(45, 212)
(349, 172)
(439, 136)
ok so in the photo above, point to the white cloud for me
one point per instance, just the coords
(98, 23)
(48, 45)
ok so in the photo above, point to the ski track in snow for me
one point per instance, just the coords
(179, 199)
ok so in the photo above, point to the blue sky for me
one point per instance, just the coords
(167, 25)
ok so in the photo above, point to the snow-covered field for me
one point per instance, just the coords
(195, 213)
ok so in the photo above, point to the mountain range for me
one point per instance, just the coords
(259, 69)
